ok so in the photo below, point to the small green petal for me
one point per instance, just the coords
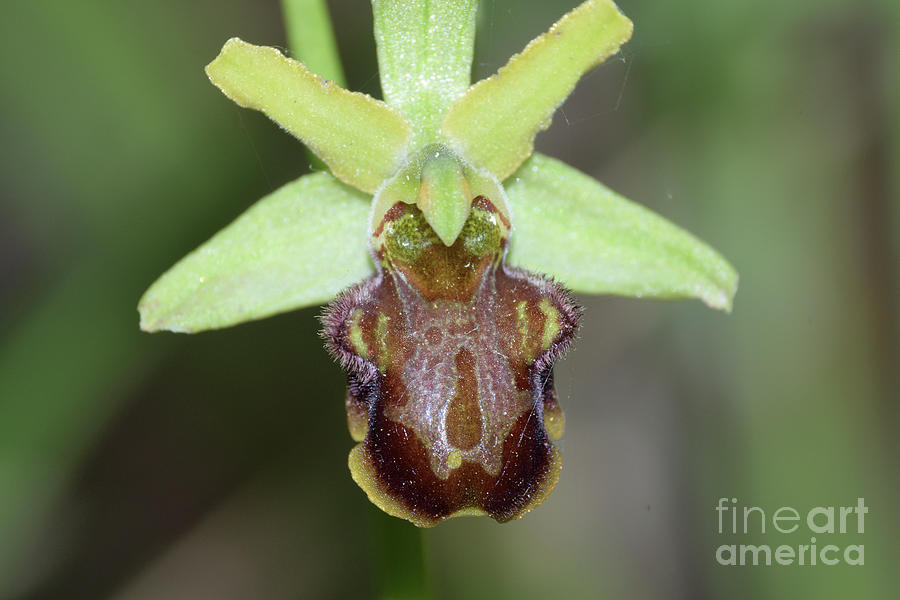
(402, 187)
(443, 186)
(298, 246)
(493, 125)
(483, 183)
(362, 140)
(568, 225)
(424, 57)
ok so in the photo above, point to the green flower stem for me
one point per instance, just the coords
(311, 38)
(399, 555)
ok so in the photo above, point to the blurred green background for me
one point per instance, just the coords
(214, 466)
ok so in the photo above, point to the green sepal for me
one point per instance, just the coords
(297, 247)
(424, 57)
(362, 140)
(569, 226)
(494, 123)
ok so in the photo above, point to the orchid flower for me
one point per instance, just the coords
(446, 247)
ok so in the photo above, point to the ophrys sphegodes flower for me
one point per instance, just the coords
(436, 202)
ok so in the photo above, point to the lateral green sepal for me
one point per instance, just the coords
(297, 247)
(570, 226)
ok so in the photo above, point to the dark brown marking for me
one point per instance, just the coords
(401, 461)
(463, 420)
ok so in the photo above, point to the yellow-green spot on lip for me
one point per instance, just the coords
(356, 335)
(551, 324)
(522, 322)
(554, 423)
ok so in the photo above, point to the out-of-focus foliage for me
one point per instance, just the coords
(134, 466)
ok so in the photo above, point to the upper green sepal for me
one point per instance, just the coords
(494, 123)
(297, 247)
(362, 140)
(570, 226)
(424, 58)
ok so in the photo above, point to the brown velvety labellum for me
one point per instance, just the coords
(449, 354)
